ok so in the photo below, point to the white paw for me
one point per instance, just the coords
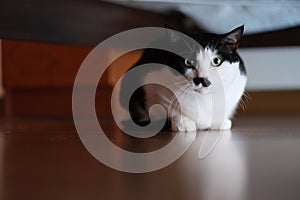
(184, 125)
(202, 126)
(226, 125)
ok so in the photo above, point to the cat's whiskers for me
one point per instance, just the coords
(177, 83)
(178, 92)
(185, 91)
(175, 105)
(176, 97)
(245, 100)
(198, 106)
(242, 104)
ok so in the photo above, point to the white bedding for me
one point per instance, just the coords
(258, 16)
(222, 15)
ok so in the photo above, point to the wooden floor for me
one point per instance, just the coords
(45, 159)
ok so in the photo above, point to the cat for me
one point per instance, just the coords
(218, 52)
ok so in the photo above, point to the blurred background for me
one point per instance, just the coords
(44, 43)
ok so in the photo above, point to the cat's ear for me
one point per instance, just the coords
(171, 33)
(232, 39)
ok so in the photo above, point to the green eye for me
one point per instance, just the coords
(216, 62)
(188, 62)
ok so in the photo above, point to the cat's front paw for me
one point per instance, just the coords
(184, 125)
(226, 125)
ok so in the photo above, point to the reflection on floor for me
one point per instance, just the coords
(257, 159)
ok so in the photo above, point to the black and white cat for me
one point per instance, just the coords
(217, 53)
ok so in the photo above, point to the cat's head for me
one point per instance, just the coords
(215, 52)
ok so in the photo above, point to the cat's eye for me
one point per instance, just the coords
(216, 62)
(189, 63)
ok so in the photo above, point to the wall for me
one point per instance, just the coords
(275, 68)
(268, 68)
(1, 88)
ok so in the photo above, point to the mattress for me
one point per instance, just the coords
(222, 15)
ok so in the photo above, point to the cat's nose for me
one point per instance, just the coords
(204, 81)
